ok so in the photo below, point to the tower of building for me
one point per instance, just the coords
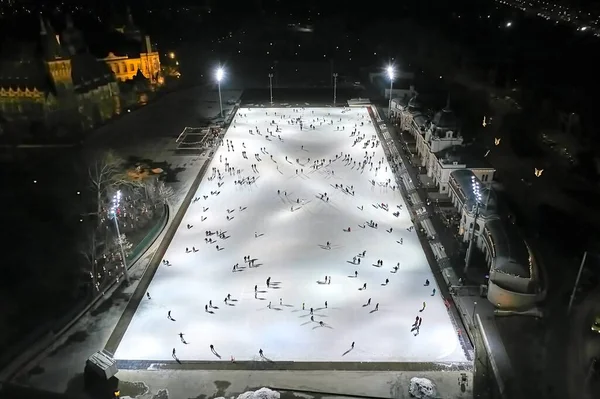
(56, 60)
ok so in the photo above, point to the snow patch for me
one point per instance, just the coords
(263, 393)
(422, 388)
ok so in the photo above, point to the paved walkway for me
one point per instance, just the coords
(148, 133)
(473, 310)
(61, 368)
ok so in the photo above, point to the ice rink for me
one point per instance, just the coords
(286, 235)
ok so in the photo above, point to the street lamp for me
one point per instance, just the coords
(390, 72)
(478, 197)
(220, 74)
(473, 315)
(116, 202)
(335, 76)
(271, 87)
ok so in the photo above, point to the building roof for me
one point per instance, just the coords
(445, 119)
(25, 74)
(118, 44)
(463, 155)
(88, 73)
(511, 252)
(488, 204)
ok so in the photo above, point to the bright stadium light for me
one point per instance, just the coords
(390, 72)
(220, 74)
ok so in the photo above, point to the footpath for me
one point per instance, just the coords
(474, 314)
(58, 365)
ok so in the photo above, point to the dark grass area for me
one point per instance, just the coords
(45, 282)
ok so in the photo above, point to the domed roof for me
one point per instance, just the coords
(414, 103)
(445, 119)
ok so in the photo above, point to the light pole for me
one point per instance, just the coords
(477, 194)
(473, 316)
(116, 201)
(271, 87)
(576, 282)
(219, 78)
(390, 72)
(335, 76)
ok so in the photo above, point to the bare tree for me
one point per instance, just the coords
(102, 172)
(89, 251)
(157, 192)
(165, 193)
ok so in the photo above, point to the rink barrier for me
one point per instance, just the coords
(50, 340)
(451, 279)
(148, 274)
(443, 273)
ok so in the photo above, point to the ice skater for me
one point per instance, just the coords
(433, 292)
(148, 295)
(423, 308)
(426, 283)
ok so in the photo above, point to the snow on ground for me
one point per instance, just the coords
(287, 234)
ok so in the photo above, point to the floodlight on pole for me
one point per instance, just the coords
(220, 74)
(390, 72)
(271, 87)
(113, 213)
(335, 76)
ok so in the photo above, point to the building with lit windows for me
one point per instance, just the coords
(513, 273)
(54, 83)
(464, 180)
(438, 143)
(129, 53)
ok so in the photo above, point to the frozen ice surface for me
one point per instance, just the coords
(289, 249)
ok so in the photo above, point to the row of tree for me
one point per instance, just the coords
(140, 201)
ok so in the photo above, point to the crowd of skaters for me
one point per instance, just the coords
(301, 121)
